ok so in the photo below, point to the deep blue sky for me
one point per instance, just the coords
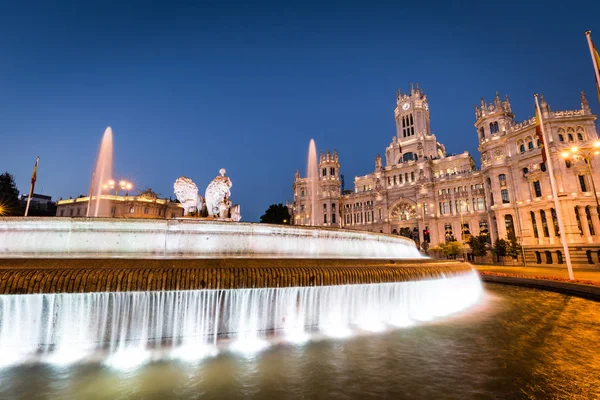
(190, 88)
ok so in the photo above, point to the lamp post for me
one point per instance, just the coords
(585, 153)
(116, 186)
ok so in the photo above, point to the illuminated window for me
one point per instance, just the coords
(504, 195)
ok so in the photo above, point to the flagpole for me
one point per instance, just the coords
(33, 178)
(588, 35)
(561, 227)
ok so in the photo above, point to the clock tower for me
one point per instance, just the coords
(414, 140)
(412, 115)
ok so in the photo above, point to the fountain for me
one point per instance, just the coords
(103, 172)
(312, 173)
(131, 290)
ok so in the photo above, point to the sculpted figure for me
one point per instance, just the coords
(235, 213)
(186, 192)
(218, 192)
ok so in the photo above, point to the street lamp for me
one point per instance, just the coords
(116, 186)
(585, 153)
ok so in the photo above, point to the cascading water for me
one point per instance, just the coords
(131, 327)
(312, 173)
(103, 172)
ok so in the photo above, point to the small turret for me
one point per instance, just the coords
(493, 118)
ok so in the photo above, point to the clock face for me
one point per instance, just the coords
(426, 106)
(405, 106)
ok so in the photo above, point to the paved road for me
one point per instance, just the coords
(587, 274)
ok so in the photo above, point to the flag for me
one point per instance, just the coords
(34, 175)
(538, 132)
(597, 66)
(595, 61)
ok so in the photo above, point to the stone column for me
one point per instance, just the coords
(584, 224)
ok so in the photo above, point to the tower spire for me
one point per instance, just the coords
(585, 106)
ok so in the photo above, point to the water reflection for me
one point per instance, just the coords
(520, 343)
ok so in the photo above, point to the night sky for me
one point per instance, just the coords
(189, 88)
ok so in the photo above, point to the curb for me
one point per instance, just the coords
(574, 289)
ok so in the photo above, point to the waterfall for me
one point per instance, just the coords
(126, 327)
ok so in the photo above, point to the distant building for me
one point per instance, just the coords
(145, 205)
(424, 193)
(40, 205)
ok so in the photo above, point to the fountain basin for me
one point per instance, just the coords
(189, 238)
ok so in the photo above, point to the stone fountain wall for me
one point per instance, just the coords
(189, 238)
(28, 276)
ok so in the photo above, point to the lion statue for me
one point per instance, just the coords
(187, 194)
(216, 192)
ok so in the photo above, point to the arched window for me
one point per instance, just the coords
(578, 219)
(543, 167)
(530, 145)
(534, 224)
(508, 223)
(504, 195)
(561, 138)
(544, 223)
(588, 216)
(579, 136)
(570, 137)
(492, 128)
(525, 171)
(522, 148)
(555, 221)
(568, 163)
(548, 257)
(502, 179)
(496, 130)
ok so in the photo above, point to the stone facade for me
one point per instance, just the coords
(423, 191)
(145, 205)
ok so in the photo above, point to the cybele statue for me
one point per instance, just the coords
(186, 192)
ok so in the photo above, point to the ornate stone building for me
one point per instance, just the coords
(423, 192)
(146, 205)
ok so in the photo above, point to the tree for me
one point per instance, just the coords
(513, 247)
(9, 195)
(478, 245)
(276, 214)
(500, 248)
(452, 249)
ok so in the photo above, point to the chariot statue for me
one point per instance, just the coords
(186, 192)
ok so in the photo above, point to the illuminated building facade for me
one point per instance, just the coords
(420, 191)
(146, 205)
